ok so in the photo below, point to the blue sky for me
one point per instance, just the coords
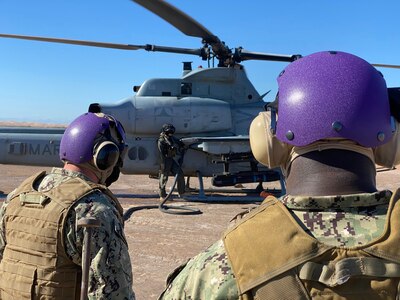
(55, 83)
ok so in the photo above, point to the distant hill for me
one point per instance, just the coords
(30, 124)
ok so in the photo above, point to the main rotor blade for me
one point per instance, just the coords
(178, 19)
(147, 47)
(74, 42)
(185, 24)
(241, 55)
(387, 66)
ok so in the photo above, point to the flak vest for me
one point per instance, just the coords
(35, 264)
(272, 257)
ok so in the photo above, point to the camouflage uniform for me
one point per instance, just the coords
(110, 275)
(343, 221)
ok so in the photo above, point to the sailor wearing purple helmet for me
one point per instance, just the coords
(333, 235)
(41, 245)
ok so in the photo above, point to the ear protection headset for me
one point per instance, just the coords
(271, 152)
(266, 147)
(106, 152)
(388, 155)
(106, 155)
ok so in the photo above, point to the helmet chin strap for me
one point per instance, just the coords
(101, 175)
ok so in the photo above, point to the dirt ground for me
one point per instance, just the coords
(159, 242)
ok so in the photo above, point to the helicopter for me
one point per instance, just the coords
(211, 109)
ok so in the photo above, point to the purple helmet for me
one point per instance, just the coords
(333, 94)
(78, 142)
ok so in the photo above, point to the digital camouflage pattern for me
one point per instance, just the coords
(348, 221)
(110, 275)
(206, 276)
(344, 221)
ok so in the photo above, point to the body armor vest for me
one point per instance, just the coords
(34, 262)
(272, 257)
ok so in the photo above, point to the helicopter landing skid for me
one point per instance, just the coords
(226, 195)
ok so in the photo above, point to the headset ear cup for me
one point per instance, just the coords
(105, 155)
(388, 155)
(265, 146)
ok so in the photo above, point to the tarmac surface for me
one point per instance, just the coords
(159, 242)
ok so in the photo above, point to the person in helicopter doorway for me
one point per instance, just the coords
(171, 151)
(333, 235)
(40, 243)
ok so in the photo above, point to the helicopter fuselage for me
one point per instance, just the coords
(217, 103)
(211, 110)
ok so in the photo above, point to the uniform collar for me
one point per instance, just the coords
(69, 173)
(337, 202)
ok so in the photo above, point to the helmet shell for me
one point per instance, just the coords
(168, 128)
(333, 95)
(78, 140)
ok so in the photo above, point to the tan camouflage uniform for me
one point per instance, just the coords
(345, 221)
(110, 275)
